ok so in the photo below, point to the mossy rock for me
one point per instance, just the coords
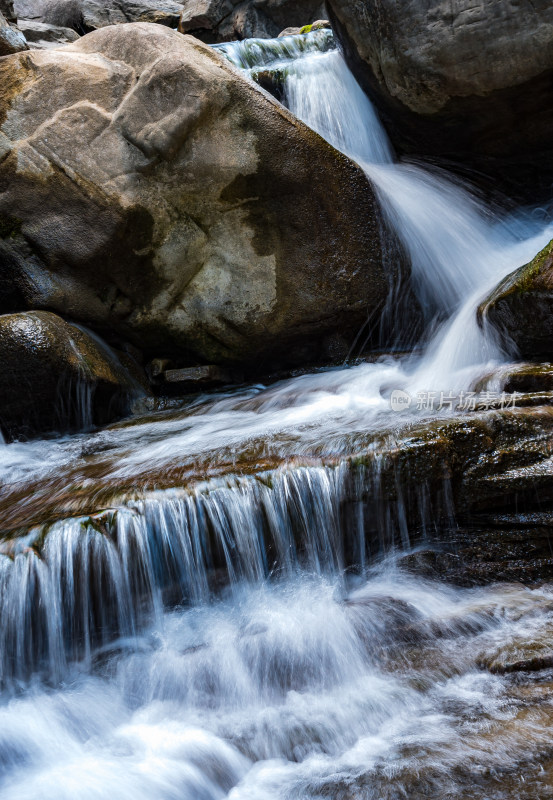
(521, 308)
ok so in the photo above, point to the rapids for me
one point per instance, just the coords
(242, 638)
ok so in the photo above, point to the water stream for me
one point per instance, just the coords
(242, 638)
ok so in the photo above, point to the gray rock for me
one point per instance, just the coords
(153, 197)
(11, 39)
(208, 375)
(227, 20)
(56, 376)
(471, 81)
(289, 32)
(84, 16)
(40, 34)
(318, 25)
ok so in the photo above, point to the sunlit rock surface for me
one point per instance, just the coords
(152, 197)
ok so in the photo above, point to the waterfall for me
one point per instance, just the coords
(209, 602)
(68, 590)
(458, 248)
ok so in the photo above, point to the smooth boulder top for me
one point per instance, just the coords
(148, 188)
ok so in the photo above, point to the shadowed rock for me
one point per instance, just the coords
(56, 376)
(11, 39)
(227, 20)
(521, 307)
(466, 81)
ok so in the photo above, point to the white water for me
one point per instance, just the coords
(298, 690)
(311, 685)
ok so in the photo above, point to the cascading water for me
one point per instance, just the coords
(457, 248)
(234, 638)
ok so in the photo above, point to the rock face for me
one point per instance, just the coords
(11, 39)
(227, 20)
(471, 81)
(56, 376)
(521, 307)
(152, 197)
(84, 16)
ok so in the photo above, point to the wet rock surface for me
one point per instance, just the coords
(521, 307)
(473, 493)
(57, 377)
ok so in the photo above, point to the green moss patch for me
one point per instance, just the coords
(9, 227)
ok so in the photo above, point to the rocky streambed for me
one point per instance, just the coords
(276, 400)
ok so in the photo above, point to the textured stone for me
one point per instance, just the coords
(521, 307)
(84, 16)
(152, 197)
(208, 374)
(40, 34)
(227, 20)
(11, 39)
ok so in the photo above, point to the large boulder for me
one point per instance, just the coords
(148, 188)
(57, 376)
(84, 16)
(470, 81)
(227, 20)
(521, 307)
(40, 34)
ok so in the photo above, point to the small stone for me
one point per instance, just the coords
(210, 374)
(158, 366)
(320, 25)
(289, 32)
